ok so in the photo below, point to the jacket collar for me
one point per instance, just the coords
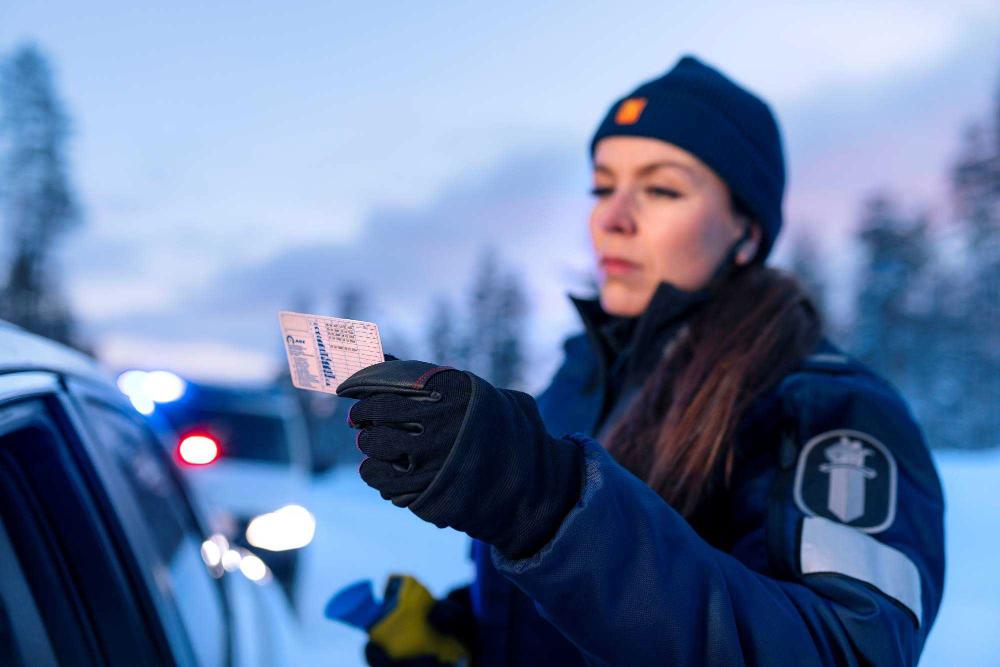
(644, 335)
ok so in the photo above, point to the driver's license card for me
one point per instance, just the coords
(325, 351)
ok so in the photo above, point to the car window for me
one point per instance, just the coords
(23, 638)
(240, 435)
(180, 571)
(64, 552)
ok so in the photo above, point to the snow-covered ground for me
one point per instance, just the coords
(967, 631)
(361, 536)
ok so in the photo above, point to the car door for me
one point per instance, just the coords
(164, 533)
(65, 596)
(215, 615)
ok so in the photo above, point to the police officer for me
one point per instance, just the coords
(707, 479)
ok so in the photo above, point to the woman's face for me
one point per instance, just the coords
(660, 214)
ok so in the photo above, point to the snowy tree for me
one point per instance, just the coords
(893, 259)
(442, 337)
(38, 205)
(928, 318)
(479, 338)
(896, 322)
(507, 353)
(975, 187)
(491, 346)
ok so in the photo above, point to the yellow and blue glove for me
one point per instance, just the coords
(408, 628)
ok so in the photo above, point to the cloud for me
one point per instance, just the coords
(530, 206)
(197, 281)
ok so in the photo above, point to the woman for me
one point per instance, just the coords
(707, 479)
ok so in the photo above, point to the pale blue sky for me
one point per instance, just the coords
(232, 155)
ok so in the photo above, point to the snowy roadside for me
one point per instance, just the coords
(361, 536)
(966, 630)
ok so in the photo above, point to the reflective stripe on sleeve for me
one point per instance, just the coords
(831, 547)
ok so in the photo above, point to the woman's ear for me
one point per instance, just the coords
(748, 248)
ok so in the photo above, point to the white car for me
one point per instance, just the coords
(106, 558)
(245, 451)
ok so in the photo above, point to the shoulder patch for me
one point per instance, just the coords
(849, 477)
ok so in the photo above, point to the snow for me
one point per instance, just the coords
(360, 536)
(967, 630)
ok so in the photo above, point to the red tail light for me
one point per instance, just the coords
(198, 450)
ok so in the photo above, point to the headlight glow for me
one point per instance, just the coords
(290, 527)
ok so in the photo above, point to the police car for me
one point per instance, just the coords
(244, 451)
(106, 559)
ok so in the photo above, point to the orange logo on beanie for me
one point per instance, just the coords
(629, 110)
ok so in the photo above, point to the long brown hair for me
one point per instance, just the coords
(677, 433)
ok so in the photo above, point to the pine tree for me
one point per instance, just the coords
(893, 316)
(442, 334)
(479, 339)
(975, 188)
(932, 324)
(506, 354)
(491, 346)
(38, 205)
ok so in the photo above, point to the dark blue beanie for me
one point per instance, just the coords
(734, 132)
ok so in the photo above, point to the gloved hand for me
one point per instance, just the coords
(459, 452)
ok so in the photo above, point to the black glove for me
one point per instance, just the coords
(460, 452)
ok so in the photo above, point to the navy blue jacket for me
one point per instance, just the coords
(828, 548)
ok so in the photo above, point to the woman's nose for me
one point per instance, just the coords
(619, 214)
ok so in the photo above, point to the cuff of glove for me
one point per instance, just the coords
(506, 482)
(524, 543)
(591, 480)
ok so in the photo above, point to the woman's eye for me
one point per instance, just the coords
(599, 191)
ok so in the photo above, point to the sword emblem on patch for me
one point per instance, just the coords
(849, 477)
